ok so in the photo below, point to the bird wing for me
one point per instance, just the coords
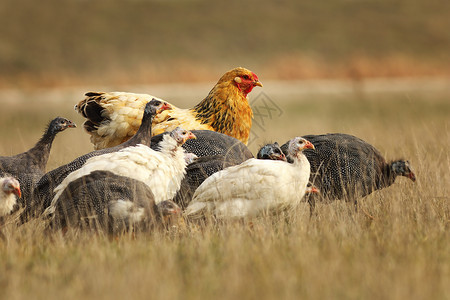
(177, 117)
(112, 118)
(244, 189)
(135, 162)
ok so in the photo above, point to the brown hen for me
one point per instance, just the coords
(113, 118)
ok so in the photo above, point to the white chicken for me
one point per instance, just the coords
(254, 187)
(161, 170)
(9, 189)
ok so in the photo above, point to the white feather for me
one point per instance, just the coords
(252, 188)
(126, 211)
(7, 200)
(161, 170)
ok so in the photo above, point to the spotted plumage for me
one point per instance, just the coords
(103, 200)
(43, 193)
(346, 167)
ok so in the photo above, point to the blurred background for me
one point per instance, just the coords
(363, 67)
(53, 43)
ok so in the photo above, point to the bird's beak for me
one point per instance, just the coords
(308, 145)
(191, 136)
(17, 192)
(412, 176)
(72, 125)
(257, 83)
(314, 190)
(165, 106)
(278, 157)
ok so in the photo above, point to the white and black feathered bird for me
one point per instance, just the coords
(161, 170)
(9, 190)
(254, 187)
(43, 192)
(29, 166)
(346, 167)
(215, 151)
(105, 201)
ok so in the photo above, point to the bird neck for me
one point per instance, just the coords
(299, 159)
(169, 145)
(144, 134)
(387, 176)
(40, 153)
(226, 110)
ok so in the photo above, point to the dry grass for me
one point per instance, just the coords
(402, 253)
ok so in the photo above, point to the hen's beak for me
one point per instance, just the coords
(412, 176)
(17, 192)
(257, 83)
(71, 125)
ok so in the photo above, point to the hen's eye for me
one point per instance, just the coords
(246, 77)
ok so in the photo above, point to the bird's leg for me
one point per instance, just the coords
(312, 206)
(355, 203)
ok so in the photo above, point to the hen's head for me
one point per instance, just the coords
(245, 80)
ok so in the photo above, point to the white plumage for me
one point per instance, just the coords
(9, 189)
(161, 170)
(254, 187)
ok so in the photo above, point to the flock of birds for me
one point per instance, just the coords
(154, 163)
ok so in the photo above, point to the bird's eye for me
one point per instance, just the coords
(246, 77)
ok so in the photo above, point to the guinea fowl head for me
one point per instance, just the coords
(271, 151)
(155, 107)
(168, 208)
(60, 124)
(312, 189)
(10, 185)
(181, 135)
(297, 145)
(403, 168)
(245, 80)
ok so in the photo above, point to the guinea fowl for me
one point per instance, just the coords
(271, 151)
(346, 167)
(254, 187)
(215, 151)
(161, 170)
(112, 118)
(29, 166)
(103, 200)
(9, 189)
(43, 193)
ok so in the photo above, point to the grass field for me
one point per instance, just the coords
(401, 252)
